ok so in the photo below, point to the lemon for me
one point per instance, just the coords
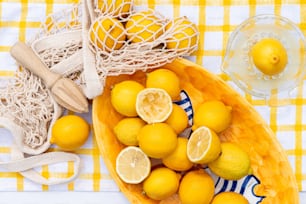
(132, 165)
(107, 33)
(164, 79)
(115, 8)
(178, 119)
(229, 198)
(161, 183)
(123, 97)
(196, 187)
(178, 159)
(70, 132)
(184, 34)
(233, 163)
(127, 130)
(213, 114)
(269, 56)
(143, 26)
(157, 140)
(153, 105)
(203, 146)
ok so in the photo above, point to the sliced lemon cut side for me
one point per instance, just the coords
(133, 165)
(203, 146)
(153, 105)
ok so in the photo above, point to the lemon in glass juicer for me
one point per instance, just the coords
(266, 55)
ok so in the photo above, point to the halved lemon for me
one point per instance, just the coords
(133, 165)
(203, 146)
(153, 105)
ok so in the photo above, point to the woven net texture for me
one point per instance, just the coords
(120, 40)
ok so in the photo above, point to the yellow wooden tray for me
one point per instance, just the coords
(268, 160)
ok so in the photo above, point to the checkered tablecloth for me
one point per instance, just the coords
(216, 19)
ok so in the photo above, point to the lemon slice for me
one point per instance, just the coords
(153, 105)
(203, 146)
(133, 165)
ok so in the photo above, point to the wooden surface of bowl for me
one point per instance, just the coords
(268, 160)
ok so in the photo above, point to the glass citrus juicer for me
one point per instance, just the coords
(239, 62)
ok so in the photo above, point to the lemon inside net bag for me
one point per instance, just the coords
(109, 38)
(124, 40)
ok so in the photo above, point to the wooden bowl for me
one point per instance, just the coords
(268, 160)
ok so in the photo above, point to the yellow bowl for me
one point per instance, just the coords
(268, 160)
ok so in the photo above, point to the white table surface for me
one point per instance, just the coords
(74, 198)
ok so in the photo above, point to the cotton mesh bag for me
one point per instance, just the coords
(28, 111)
(27, 108)
(135, 40)
(109, 38)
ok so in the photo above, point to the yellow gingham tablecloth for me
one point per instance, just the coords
(216, 19)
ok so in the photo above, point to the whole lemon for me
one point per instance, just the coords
(233, 163)
(143, 26)
(161, 183)
(107, 33)
(164, 79)
(213, 114)
(185, 34)
(70, 132)
(119, 8)
(157, 140)
(196, 187)
(178, 159)
(229, 198)
(269, 56)
(123, 97)
(127, 130)
(178, 119)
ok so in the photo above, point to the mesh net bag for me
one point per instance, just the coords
(27, 108)
(139, 40)
(25, 101)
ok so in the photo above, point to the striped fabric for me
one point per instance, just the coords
(216, 19)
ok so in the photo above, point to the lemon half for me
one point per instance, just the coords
(153, 105)
(203, 146)
(132, 165)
